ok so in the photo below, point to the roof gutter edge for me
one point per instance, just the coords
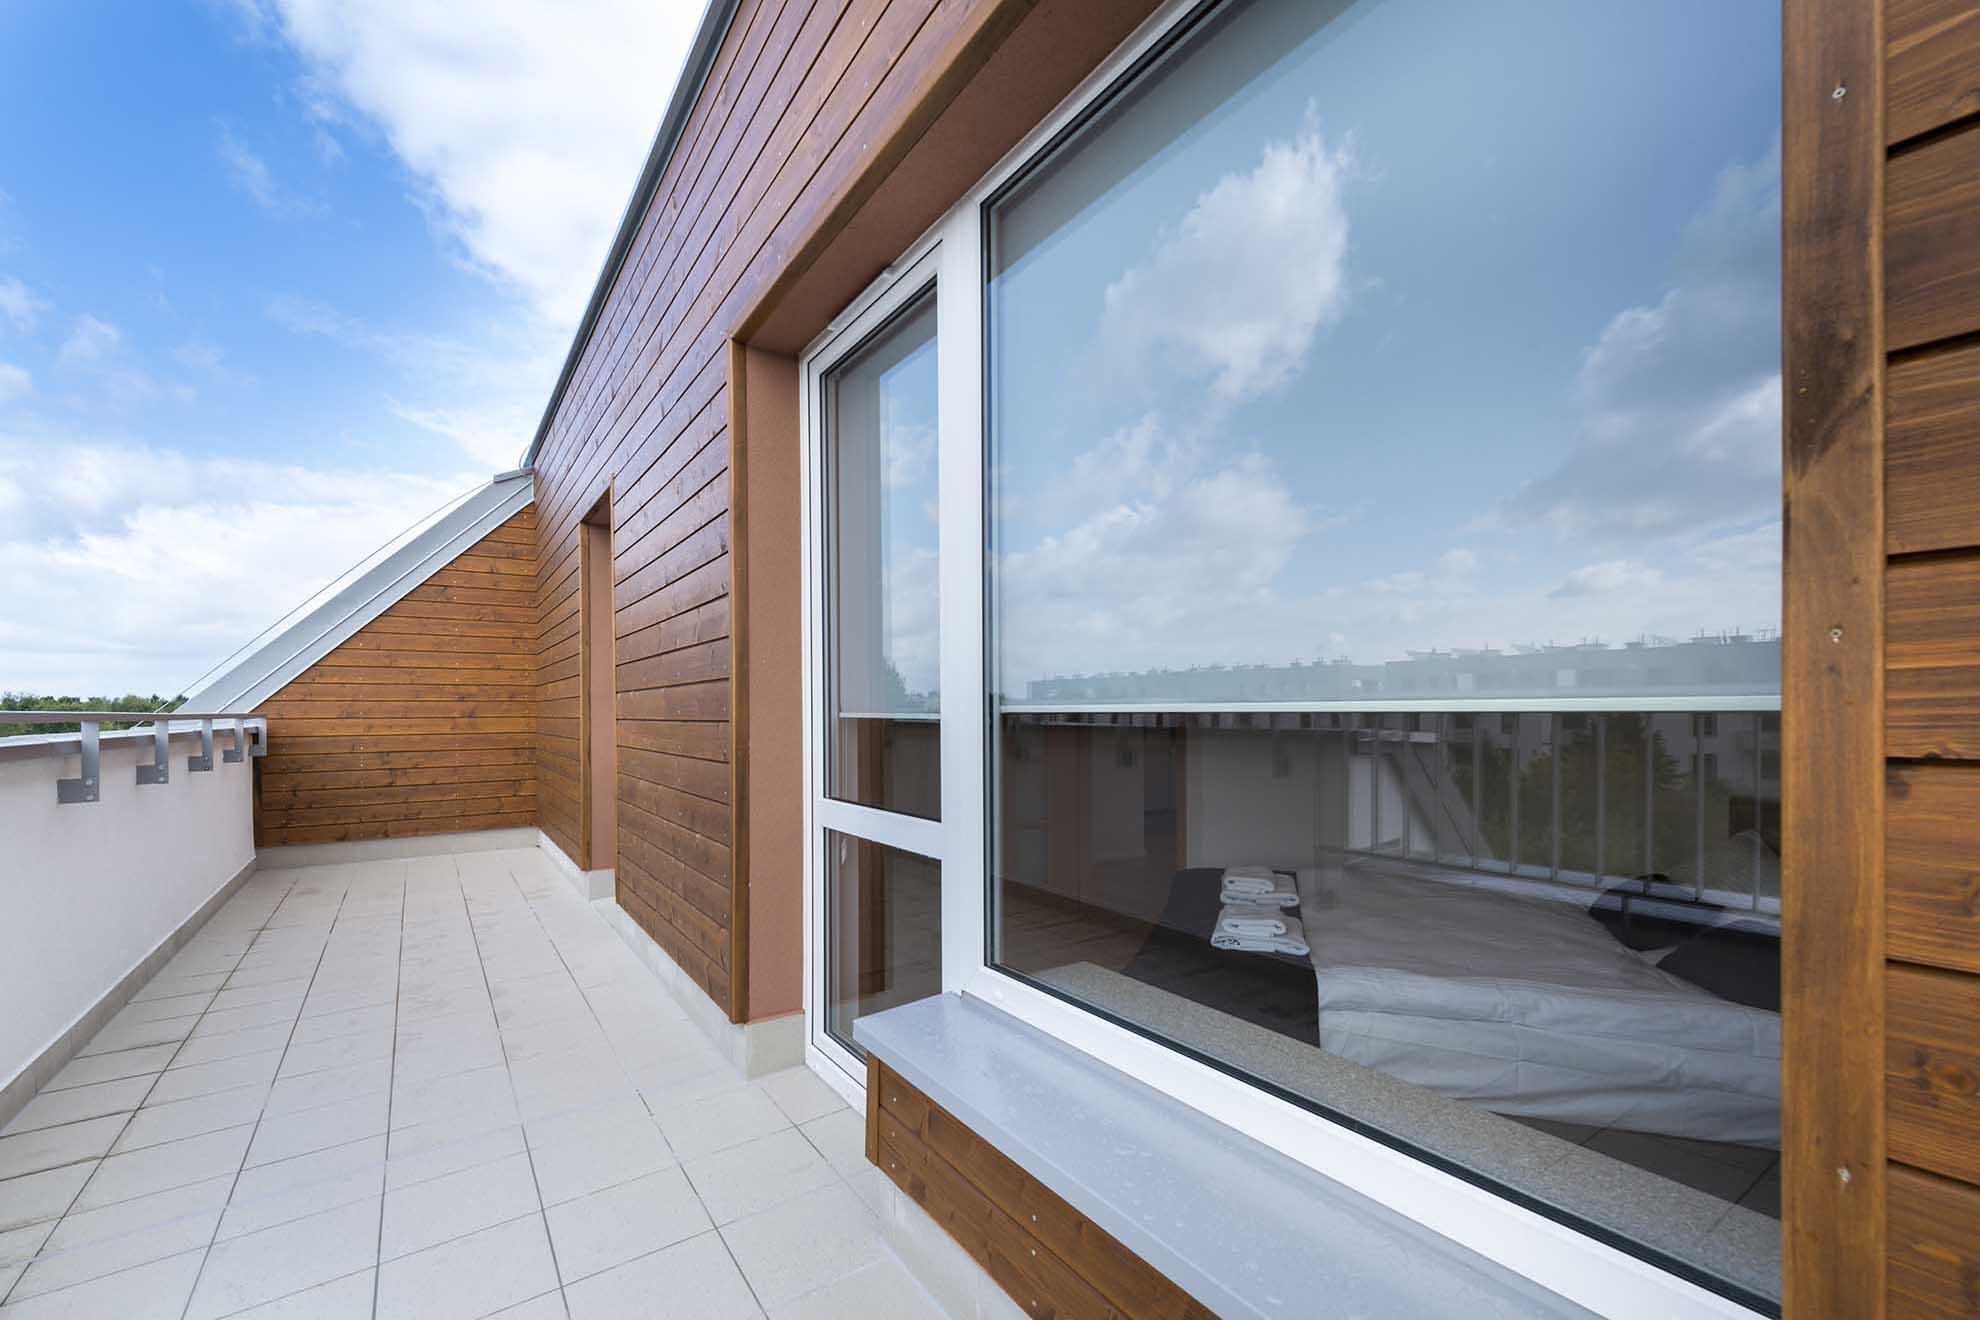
(716, 19)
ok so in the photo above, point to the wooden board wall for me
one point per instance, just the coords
(807, 104)
(1052, 1260)
(1931, 1055)
(420, 722)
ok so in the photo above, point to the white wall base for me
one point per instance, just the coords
(378, 850)
(754, 1048)
(24, 1085)
(589, 885)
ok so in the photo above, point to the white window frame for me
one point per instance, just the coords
(1587, 1271)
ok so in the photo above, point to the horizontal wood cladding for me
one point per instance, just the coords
(1932, 450)
(1932, 77)
(1932, 241)
(421, 722)
(1934, 1253)
(1932, 657)
(804, 98)
(1052, 1260)
(1932, 1070)
(1932, 864)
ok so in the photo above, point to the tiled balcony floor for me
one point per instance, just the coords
(433, 1087)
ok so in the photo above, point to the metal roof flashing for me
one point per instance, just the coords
(269, 667)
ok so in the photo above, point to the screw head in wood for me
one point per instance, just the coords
(1835, 634)
(1840, 92)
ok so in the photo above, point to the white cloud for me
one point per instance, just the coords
(526, 126)
(15, 382)
(90, 340)
(1681, 399)
(1236, 290)
(250, 174)
(18, 305)
(135, 567)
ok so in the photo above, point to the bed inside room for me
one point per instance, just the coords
(1544, 942)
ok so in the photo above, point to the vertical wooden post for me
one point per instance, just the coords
(1832, 773)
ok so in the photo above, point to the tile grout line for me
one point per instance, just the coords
(508, 1068)
(70, 1209)
(328, 935)
(391, 1085)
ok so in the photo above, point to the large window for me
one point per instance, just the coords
(1383, 472)
(1310, 615)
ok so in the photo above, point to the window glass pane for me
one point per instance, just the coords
(883, 675)
(884, 931)
(1384, 492)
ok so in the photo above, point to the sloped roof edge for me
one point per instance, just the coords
(275, 663)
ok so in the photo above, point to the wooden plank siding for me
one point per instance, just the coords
(804, 106)
(420, 722)
(1931, 1055)
(1053, 1261)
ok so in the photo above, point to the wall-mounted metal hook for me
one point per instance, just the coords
(238, 751)
(160, 769)
(85, 787)
(204, 761)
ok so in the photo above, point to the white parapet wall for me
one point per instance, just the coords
(90, 893)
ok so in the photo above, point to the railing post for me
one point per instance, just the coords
(85, 787)
(160, 769)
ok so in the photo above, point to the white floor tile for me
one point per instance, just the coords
(211, 1047)
(804, 1244)
(880, 1291)
(611, 1227)
(271, 1194)
(801, 1094)
(116, 1237)
(156, 1124)
(149, 1292)
(744, 1180)
(348, 1298)
(33, 1197)
(161, 1168)
(223, 1075)
(692, 1280)
(726, 1118)
(588, 1156)
(285, 1136)
(470, 1276)
(51, 1108)
(429, 1213)
(841, 1139)
(92, 1068)
(262, 1267)
(548, 1306)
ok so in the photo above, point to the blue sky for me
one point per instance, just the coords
(1360, 363)
(277, 277)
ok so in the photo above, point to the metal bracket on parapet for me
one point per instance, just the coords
(204, 761)
(160, 769)
(260, 745)
(238, 752)
(85, 787)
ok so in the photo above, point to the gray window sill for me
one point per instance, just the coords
(1242, 1228)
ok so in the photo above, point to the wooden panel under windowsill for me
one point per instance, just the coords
(1933, 70)
(1932, 450)
(1934, 1253)
(1932, 1070)
(1932, 658)
(1051, 1259)
(1932, 873)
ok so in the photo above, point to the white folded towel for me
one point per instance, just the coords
(1250, 880)
(1270, 890)
(1291, 941)
(1250, 921)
